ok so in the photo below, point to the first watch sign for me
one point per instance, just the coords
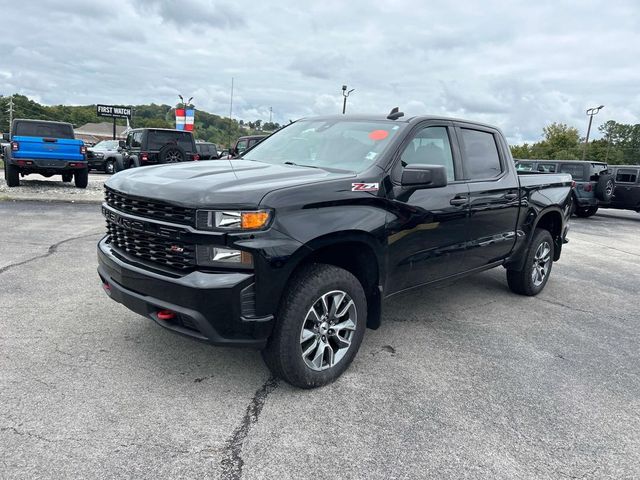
(113, 111)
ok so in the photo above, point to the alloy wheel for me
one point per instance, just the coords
(541, 264)
(327, 330)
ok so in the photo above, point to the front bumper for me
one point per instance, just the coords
(208, 306)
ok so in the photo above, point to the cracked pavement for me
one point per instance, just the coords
(461, 381)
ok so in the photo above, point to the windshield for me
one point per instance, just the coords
(350, 145)
(106, 145)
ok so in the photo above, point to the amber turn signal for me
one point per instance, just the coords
(254, 220)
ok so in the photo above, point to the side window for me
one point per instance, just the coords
(136, 140)
(430, 146)
(627, 176)
(129, 140)
(524, 167)
(241, 146)
(480, 154)
(547, 167)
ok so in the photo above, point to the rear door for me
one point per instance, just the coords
(427, 232)
(494, 194)
(627, 190)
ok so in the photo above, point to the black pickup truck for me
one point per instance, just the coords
(292, 247)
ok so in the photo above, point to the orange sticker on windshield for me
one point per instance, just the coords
(378, 135)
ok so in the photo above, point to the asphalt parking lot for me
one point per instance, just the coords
(462, 381)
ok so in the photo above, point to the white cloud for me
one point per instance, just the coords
(519, 65)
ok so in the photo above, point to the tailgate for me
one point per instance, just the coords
(39, 148)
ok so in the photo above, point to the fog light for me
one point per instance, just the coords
(209, 255)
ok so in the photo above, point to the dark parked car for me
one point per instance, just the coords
(151, 146)
(104, 155)
(293, 248)
(207, 151)
(593, 182)
(47, 148)
(245, 143)
(626, 194)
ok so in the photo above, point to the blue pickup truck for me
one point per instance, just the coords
(47, 148)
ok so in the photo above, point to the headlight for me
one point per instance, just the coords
(212, 256)
(232, 219)
(98, 155)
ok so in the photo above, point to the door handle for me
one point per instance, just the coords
(510, 196)
(459, 201)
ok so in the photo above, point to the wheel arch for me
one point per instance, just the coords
(357, 252)
(551, 220)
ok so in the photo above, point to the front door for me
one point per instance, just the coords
(494, 195)
(426, 231)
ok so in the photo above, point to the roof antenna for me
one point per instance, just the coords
(395, 114)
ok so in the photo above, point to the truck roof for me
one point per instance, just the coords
(35, 120)
(414, 119)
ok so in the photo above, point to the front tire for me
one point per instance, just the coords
(320, 326)
(11, 175)
(532, 279)
(81, 178)
(109, 167)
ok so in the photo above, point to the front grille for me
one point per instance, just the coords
(152, 248)
(149, 208)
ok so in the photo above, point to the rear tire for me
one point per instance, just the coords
(81, 178)
(532, 279)
(586, 212)
(319, 327)
(11, 175)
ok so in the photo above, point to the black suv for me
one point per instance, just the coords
(151, 146)
(207, 151)
(626, 195)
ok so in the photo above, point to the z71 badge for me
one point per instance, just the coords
(364, 187)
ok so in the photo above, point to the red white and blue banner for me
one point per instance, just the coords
(185, 119)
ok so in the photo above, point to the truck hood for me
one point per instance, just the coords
(214, 183)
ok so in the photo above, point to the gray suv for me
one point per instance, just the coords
(593, 183)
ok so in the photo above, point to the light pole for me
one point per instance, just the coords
(345, 94)
(591, 112)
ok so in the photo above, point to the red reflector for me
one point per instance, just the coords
(106, 287)
(166, 315)
(144, 156)
(587, 187)
(196, 157)
(573, 184)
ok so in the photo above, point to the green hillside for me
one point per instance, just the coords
(208, 126)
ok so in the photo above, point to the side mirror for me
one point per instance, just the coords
(424, 176)
(6, 136)
(121, 143)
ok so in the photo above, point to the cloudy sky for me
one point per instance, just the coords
(519, 65)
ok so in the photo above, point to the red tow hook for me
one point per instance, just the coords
(106, 287)
(166, 314)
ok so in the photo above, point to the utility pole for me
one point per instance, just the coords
(345, 94)
(270, 113)
(591, 112)
(231, 114)
(10, 112)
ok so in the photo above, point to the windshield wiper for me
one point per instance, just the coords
(300, 165)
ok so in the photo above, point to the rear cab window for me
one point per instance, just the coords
(524, 166)
(44, 130)
(481, 155)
